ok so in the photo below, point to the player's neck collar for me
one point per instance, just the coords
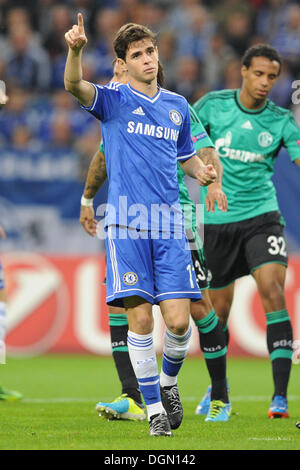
(247, 110)
(145, 97)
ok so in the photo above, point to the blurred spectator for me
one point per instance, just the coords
(150, 13)
(90, 68)
(167, 46)
(179, 16)
(60, 23)
(22, 140)
(232, 75)
(224, 10)
(64, 107)
(187, 76)
(26, 64)
(287, 39)
(14, 113)
(60, 133)
(107, 23)
(217, 56)
(282, 90)
(194, 41)
(270, 18)
(16, 17)
(237, 31)
(130, 9)
(61, 105)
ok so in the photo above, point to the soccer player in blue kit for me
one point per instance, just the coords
(212, 339)
(147, 257)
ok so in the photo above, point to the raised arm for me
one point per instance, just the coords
(76, 40)
(94, 180)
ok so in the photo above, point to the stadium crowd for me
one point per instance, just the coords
(201, 43)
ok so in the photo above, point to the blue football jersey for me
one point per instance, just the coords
(144, 138)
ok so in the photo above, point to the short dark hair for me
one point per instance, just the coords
(261, 50)
(129, 33)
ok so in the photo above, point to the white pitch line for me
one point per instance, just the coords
(269, 439)
(234, 399)
(245, 398)
(60, 400)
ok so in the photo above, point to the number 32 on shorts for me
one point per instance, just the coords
(277, 245)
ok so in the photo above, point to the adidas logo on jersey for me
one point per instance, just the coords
(247, 125)
(139, 111)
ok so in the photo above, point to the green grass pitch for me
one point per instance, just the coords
(60, 393)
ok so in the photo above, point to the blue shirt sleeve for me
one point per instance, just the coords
(106, 102)
(185, 146)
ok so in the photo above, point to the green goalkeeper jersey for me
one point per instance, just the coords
(248, 143)
(201, 140)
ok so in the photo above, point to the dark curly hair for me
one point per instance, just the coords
(261, 50)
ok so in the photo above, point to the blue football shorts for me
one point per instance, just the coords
(155, 269)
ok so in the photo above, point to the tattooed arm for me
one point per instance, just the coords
(96, 175)
(209, 156)
(95, 179)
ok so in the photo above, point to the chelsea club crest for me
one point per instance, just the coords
(175, 117)
(130, 278)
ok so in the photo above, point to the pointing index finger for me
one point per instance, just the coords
(80, 23)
